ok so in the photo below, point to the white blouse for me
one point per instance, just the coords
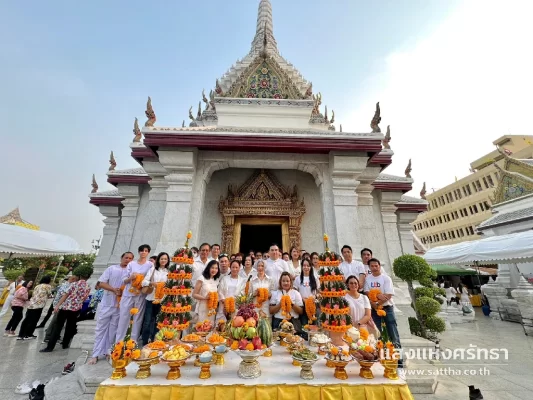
(357, 306)
(243, 274)
(303, 287)
(160, 275)
(297, 270)
(296, 298)
(230, 287)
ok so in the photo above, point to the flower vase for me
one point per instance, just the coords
(119, 368)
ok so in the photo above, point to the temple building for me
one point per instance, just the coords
(456, 212)
(261, 160)
(14, 218)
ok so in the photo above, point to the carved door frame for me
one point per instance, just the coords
(262, 199)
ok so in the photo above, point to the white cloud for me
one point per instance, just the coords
(453, 93)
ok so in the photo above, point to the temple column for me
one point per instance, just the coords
(111, 224)
(405, 220)
(127, 221)
(370, 237)
(154, 210)
(344, 170)
(181, 167)
(390, 228)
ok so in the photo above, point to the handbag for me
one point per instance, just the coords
(149, 289)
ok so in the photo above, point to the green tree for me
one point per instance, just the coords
(425, 299)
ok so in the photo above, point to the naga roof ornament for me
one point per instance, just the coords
(374, 124)
(423, 191)
(112, 162)
(386, 140)
(150, 114)
(408, 170)
(136, 131)
(94, 185)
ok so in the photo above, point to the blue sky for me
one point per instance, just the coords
(76, 74)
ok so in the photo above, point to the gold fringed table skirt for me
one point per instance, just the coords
(256, 392)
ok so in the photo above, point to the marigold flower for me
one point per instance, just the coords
(134, 311)
(189, 234)
(326, 238)
(127, 354)
(120, 345)
(115, 356)
(381, 312)
(135, 354)
(130, 344)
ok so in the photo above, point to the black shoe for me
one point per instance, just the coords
(69, 368)
(45, 350)
(37, 393)
(30, 337)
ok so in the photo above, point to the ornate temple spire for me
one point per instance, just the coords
(408, 170)
(264, 31)
(136, 131)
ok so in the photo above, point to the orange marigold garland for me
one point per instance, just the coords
(286, 306)
(262, 296)
(119, 297)
(136, 284)
(229, 305)
(373, 297)
(212, 303)
(159, 292)
(310, 309)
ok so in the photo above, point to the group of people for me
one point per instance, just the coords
(65, 308)
(294, 273)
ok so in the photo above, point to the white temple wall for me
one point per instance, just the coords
(374, 237)
(149, 222)
(312, 230)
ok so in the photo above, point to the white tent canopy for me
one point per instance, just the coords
(21, 242)
(513, 248)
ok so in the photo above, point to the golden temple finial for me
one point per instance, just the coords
(204, 99)
(112, 162)
(386, 139)
(376, 120)
(150, 114)
(136, 131)
(199, 113)
(408, 170)
(190, 114)
(94, 185)
(332, 116)
(423, 191)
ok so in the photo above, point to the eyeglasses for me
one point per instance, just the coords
(352, 283)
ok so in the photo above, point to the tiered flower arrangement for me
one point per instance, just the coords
(176, 300)
(127, 348)
(335, 312)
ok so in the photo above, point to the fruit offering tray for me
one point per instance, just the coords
(275, 370)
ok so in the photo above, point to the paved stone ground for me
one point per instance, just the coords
(509, 380)
(506, 380)
(22, 362)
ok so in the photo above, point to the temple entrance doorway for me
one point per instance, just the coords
(258, 233)
(259, 237)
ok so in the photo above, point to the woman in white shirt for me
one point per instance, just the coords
(360, 309)
(264, 282)
(314, 263)
(230, 286)
(206, 283)
(295, 261)
(451, 294)
(285, 288)
(158, 273)
(306, 285)
(247, 269)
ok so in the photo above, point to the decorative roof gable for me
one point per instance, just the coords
(511, 185)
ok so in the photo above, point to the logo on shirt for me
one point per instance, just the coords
(375, 285)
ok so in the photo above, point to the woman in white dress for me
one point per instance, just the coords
(262, 281)
(359, 304)
(295, 261)
(285, 288)
(306, 284)
(247, 268)
(206, 283)
(230, 286)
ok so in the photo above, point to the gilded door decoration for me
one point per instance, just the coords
(262, 195)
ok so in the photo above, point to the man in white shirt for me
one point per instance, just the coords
(351, 267)
(108, 311)
(201, 262)
(366, 255)
(377, 280)
(12, 289)
(134, 298)
(274, 266)
(215, 251)
(223, 262)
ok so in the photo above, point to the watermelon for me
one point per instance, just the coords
(264, 331)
